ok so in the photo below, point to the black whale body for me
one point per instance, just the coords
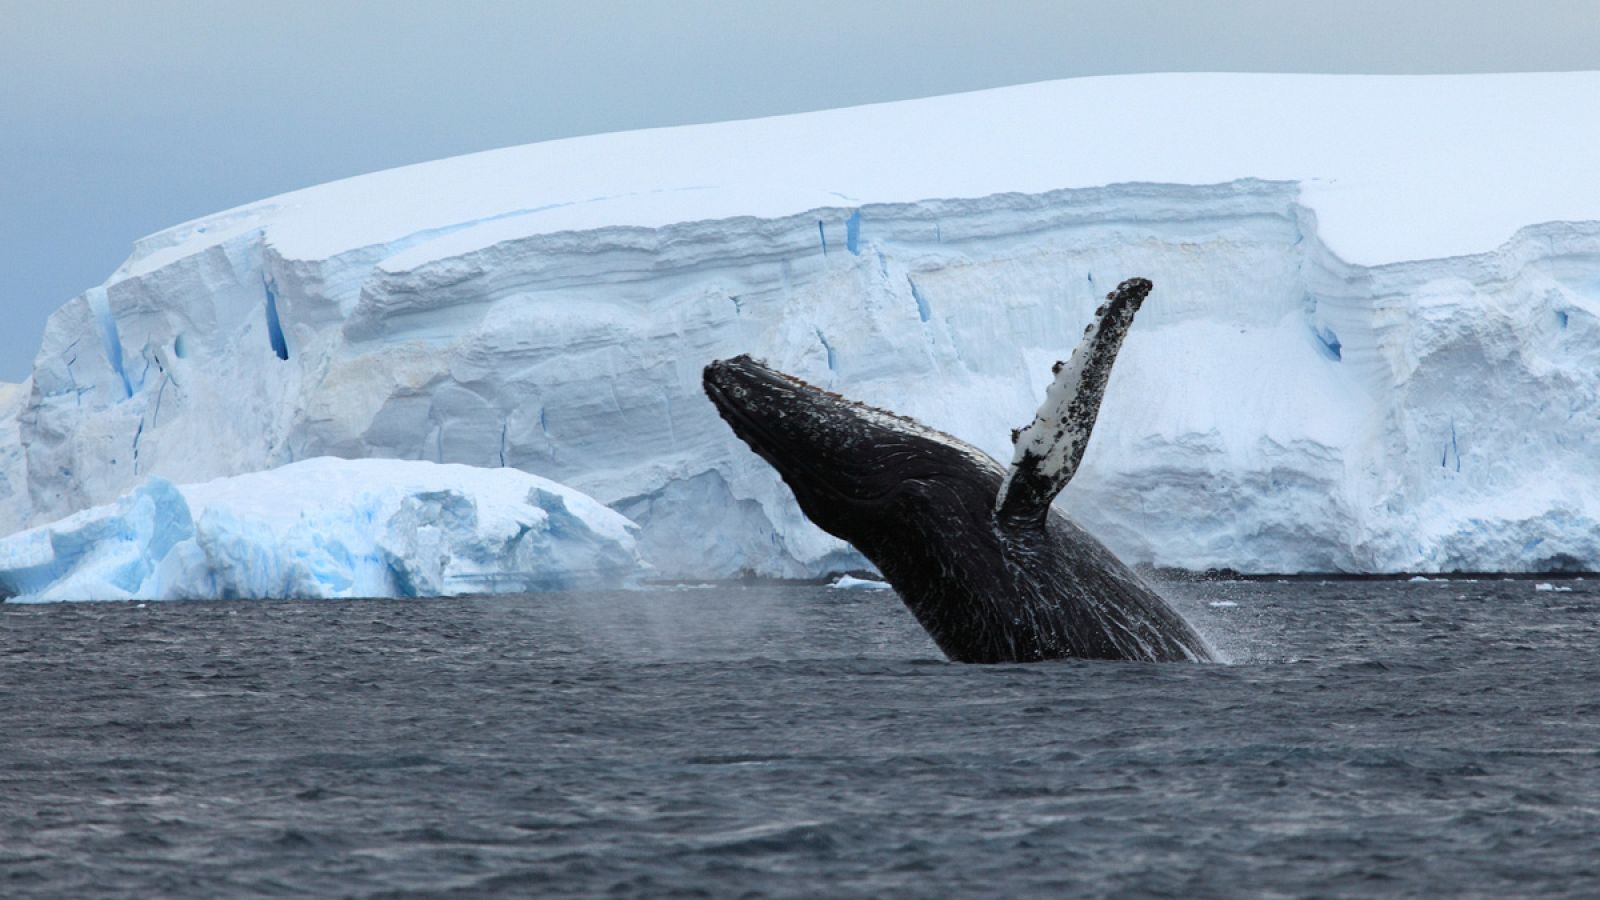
(976, 552)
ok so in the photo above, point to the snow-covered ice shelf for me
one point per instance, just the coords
(1373, 343)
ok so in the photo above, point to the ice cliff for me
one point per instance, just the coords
(327, 528)
(1373, 344)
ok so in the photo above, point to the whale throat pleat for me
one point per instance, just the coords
(1049, 449)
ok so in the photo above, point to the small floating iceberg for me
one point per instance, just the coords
(326, 528)
(1547, 586)
(852, 583)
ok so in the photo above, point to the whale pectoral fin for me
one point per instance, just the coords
(1049, 449)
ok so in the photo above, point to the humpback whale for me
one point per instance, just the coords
(974, 549)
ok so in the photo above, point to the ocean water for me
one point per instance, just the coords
(1368, 738)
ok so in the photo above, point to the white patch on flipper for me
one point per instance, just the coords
(1052, 445)
(1053, 436)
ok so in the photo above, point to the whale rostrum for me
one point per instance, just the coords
(975, 550)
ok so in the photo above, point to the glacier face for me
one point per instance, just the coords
(1277, 406)
(324, 528)
(15, 504)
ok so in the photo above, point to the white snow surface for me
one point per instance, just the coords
(324, 528)
(1373, 342)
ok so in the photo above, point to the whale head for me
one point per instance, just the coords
(990, 584)
(854, 469)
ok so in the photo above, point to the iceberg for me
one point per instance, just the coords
(1373, 344)
(326, 528)
(852, 583)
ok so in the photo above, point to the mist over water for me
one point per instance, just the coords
(1398, 738)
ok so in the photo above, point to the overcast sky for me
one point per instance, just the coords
(118, 119)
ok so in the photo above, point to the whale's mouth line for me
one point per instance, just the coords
(792, 461)
(753, 368)
(746, 425)
(877, 416)
(732, 411)
(733, 400)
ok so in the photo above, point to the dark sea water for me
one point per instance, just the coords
(1369, 739)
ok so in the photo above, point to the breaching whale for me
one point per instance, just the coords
(975, 550)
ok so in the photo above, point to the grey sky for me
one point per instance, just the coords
(121, 118)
